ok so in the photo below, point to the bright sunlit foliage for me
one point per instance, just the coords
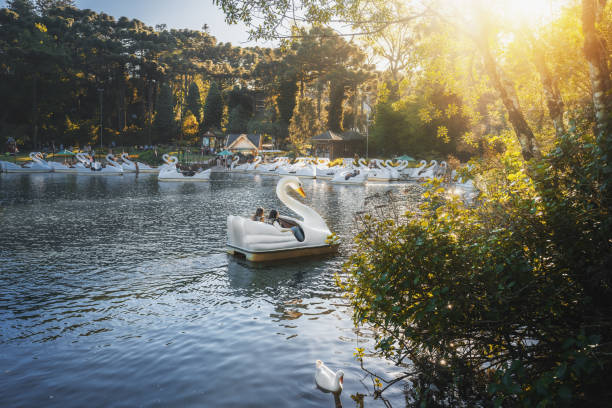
(515, 11)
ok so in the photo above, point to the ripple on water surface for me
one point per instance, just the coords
(117, 292)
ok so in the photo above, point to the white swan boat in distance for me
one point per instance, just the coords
(37, 165)
(136, 167)
(170, 172)
(258, 241)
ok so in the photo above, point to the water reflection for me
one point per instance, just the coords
(119, 289)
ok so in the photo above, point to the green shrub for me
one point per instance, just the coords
(504, 303)
(149, 157)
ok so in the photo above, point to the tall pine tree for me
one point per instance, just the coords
(213, 108)
(287, 99)
(194, 102)
(304, 124)
(334, 109)
(164, 125)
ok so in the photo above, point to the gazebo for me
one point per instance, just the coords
(333, 145)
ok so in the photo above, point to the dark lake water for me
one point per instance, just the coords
(116, 291)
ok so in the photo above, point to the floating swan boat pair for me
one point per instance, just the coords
(429, 172)
(87, 166)
(169, 172)
(356, 176)
(258, 241)
(303, 167)
(395, 171)
(350, 173)
(270, 168)
(413, 172)
(37, 165)
(112, 167)
(252, 167)
(82, 167)
(239, 168)
(377, 173)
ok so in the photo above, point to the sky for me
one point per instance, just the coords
(191, 14)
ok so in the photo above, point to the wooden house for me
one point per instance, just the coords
(334, 145)
(244, 143)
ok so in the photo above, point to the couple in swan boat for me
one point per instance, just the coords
(280, 237)
(280, 224)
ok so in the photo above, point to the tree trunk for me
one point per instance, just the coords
(355, 107)
(599, 72)
(319, 97)
(183, 98)
(505, 88)
(551, 91)
(34, 111)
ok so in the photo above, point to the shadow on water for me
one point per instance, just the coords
(336, 395)
(272, 277)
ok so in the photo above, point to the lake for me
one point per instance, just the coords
(117, 291)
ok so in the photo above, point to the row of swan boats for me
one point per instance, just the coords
(85, 164)
(350, 171)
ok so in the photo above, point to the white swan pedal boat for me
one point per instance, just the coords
(169, 172)
(81, 167)
(37, 165)
(136, 167)
(354, 176)
(378, 172)
(86, 166)
(259, 241)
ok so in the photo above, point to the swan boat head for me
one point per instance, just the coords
(259, 241)
(126, 158)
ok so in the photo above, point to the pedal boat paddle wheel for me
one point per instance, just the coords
(259, 241)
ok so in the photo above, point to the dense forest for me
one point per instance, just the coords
(70, 76)
(65, 72)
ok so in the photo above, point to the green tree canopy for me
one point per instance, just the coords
(304, 124)
(194, 101)
(164, 125)
(213, 108)
(238, 120)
